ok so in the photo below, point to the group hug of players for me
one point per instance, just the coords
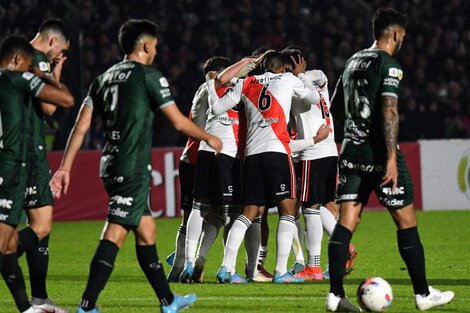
(251, 120)
(278, 145)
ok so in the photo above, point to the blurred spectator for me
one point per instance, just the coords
(435, 90)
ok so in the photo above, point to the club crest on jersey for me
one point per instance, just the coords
(44, 66)
(163, 82)
(28, 75)
(395, 72)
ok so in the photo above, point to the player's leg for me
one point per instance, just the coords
(263, 250)
(329, 216)
(252, 244)
(297, 249)
(400, 203)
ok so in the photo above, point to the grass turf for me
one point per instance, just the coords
(444, 236)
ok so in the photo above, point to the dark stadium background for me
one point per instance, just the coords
(435, 94)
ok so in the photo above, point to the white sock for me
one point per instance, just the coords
(285, 234)
(209, 234)
(234, 241)
(193, 232)
(297, 242)
(229, 218)
(328, 220)
(314, 230)
(180, 247)
(252, 242)
(262, 254)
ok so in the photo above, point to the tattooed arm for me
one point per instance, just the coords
(390, 128)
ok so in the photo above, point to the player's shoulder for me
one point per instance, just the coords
(41, 61)
(317, 76)
(387, 59)
(19, 79)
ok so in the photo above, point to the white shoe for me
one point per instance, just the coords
(33, 310)
(337, 304)
(47, 306)
(434, 298)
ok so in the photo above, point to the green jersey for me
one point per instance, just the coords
(38, 126)
(16, 93)
(368, 75)
(126, 96)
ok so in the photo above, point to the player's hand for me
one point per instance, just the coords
(322, 133)
(57, 64)
(299, 65)
(59, 183)
(261, 57)
(215, 143)
(391, 174)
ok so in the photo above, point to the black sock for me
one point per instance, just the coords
(412, 252)
(27, 239)
(101, 268)
(338, 248)
(1, 261)
(38, 263)
(14, 279)
(153, 269)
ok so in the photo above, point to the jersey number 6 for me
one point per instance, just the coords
(264, 101)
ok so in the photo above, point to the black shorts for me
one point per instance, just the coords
(186, 173)
(217, 179)
(12, 187)
(129, 199)
(38, 193)
(318, 181)
(269, 177)
(356, 181)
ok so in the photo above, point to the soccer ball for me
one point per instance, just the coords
(374, 294)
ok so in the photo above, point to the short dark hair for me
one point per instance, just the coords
(132, 31)
(55, 25)
(289, 52)
(273, 60)
(385, 17)
(13, 45)
(216, 63)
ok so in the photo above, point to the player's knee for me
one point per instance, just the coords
(41, 230)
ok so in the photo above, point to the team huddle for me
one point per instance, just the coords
(261, 135)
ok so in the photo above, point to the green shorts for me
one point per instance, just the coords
(12, 187)
(38, 193)
(129, 199)
(358, 179)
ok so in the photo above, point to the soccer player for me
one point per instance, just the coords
(126, 97)
(17, 90)
(370, 160)
(268, 173)
(50, 43)
(198, 115)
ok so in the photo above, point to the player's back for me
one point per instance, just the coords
(368, 75)
(268, 100)
(126, 102)
(16, 91)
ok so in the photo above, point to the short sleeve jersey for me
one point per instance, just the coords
(368, 76)
(126, 97)
(16, 93)
(38, 127)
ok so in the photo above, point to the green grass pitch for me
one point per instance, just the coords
(445, 237)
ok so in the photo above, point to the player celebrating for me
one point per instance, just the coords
(126, 97)
(17, 90)
(268, 168)
(51, 41)
(370, 160)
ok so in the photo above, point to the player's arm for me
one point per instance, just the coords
(229, 100)
(303, 88)
(390, 129)
(298, 145)
(182, 124)
(55, 93)
(61, 180)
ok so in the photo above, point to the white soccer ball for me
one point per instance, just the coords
(374, 294)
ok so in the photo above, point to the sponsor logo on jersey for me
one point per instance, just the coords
(163, 82)
(36, 81)
(118, 212)
(397, 191)
(45, 66)
(394, 82)
(5, 203)
(165, 92)
(3, 217)
(31, 190)
(27, 75)
(227, 121)
(362, 167)
(122, 200)
(351, 196)
(463, 174)
(265, 122)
